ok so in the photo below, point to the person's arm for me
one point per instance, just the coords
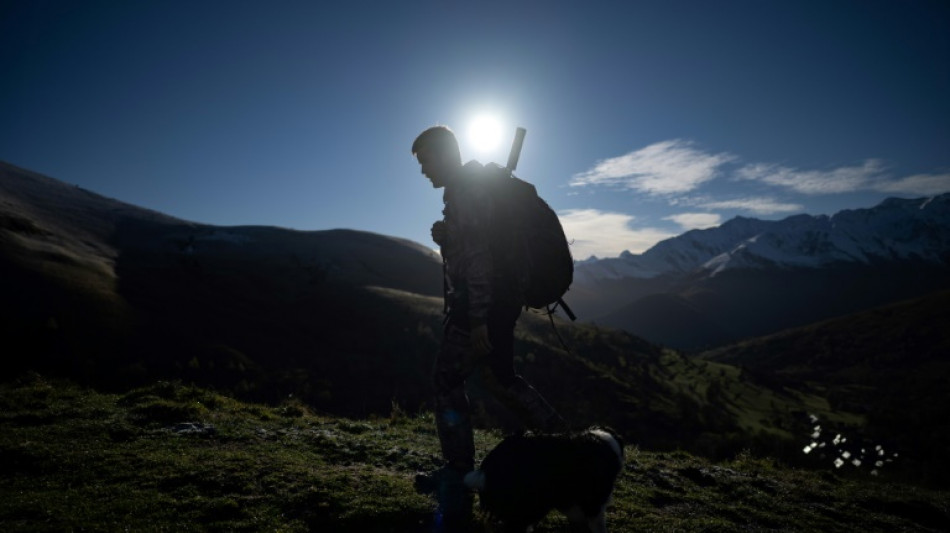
(438, 232)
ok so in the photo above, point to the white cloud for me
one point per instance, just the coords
(666, 167)
(759, 206)
(869, 176)
(674, 167)
(689, 221)
(606, 234)
(838, 180)
(921, 184)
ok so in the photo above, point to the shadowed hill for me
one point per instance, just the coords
(106, 291)
(699, 314)
(889, 364)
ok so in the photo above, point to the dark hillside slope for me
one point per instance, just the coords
(112, 293)
(699, 314)
(891, 364)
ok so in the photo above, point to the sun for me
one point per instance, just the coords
(485, 133)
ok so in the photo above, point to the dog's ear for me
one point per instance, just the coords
(475, 480)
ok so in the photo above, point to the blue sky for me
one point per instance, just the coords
(645, 119)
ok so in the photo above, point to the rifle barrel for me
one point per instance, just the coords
(515, 153)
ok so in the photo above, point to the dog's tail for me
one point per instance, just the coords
(611, 438)
(475, 480)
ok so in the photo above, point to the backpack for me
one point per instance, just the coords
(527, 236)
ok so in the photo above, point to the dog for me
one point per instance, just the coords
(526, 476)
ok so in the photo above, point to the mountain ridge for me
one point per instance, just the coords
(44, 213)
(886, 231)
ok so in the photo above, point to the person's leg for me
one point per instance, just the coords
(454, 427)
(510, 388)
(452, 409)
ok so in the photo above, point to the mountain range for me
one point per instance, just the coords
(752, 277)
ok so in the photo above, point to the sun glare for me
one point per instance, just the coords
(485, 133)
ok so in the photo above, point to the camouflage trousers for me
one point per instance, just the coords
(456, 362)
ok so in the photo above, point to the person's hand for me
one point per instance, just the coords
(438, 232)
(480, 343)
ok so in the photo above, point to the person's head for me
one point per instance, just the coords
(437, 150)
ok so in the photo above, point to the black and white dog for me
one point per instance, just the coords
(526, 476)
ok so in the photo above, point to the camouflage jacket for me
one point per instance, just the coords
(470, 277)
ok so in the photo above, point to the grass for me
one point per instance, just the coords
(81, 460)
(77, 460)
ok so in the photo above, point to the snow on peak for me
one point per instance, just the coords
(895, 230)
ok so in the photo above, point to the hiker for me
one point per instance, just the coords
(482, 305)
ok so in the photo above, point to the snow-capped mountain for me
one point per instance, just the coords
(752, 277)
(895, 230)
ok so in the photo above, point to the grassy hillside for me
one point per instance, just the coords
(168, 457)
(888, 364)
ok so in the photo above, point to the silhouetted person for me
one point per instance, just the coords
(482, 305)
